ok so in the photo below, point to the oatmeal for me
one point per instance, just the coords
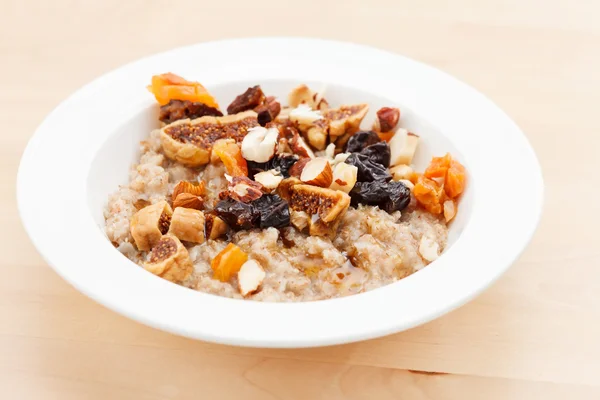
(280, 203)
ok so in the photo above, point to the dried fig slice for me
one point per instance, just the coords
(187, 224)
(149, 224)
(327, 203)
(170, 260)
(190, 141)
(345, 119)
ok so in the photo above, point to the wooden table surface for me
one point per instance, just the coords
(534, 334)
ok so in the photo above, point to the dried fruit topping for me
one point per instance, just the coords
(317, 172)
(360, 140)
(228, 262)
(187, 224)
(386, 136)
(167, 87)
(250, 99)
(402, 147)
(250, 277)
(285, 187)
(449, 210)
(389, 196)
(378, 153)
(169, 260)
(195, 188)
(456, 178)
(214, 227)
(149, 224)
(345, 119)
(268, 111)
(298, 167)
(403, 172)
(190, 141)
(429, 194)
(188, 200)
(242, 188)
(344, 177)
(438, 167)
(259, 144)
(269, 179)
(303, 95)
(269, 210)
(387, 119)
(182, 109)
(327, 203)
(279, 163)
(230, 154)
(368, 171)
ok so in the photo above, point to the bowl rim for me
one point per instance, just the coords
(457, 277)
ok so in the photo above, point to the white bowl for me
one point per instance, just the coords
(84, 148)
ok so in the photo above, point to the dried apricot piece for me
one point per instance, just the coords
(228, 262)
(167, 87)
(231, 155)
(386, 136)
(438, 166)
(429, 194)
(455, 179)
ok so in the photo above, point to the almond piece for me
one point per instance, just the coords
(449, 210)
(259, 144)
(317, 172)
(250, 276)
(300, 147)
(269, 179)
(304, 115)
(408, 184)
(402, 147)
(188, 200)
(299, 219)
(428, 248)
(402, 171)
(344, 177)
(244, 189)
(197, 189)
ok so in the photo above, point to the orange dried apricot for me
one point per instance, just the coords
(455, 179)
(438, 166)
(231, 155)
(167, 87)
(386, 136)
(228, 262)
(429, 194)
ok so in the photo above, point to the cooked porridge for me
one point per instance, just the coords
(280, 203)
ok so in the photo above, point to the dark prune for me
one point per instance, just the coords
(274, 211)
(269, 210)
(237, 215)
(360, 140)
(280, 163)
(379, 153)
(368, 171)
(389, 196)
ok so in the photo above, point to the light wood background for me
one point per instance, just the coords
(535, 334)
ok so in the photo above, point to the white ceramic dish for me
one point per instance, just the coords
(84, 148)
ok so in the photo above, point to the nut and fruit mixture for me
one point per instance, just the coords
(280, 202)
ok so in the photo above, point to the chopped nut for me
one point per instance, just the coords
(187, 224)
(317, 172)
(149, 224)
(250, 99)
(299, 219)
(449, 210)
(170, 260)
(402, 171)
(330, 151)
(250, 276)
(244, 189)
(300, 147)
(194, 188)
(190, 142)
(303, 95)
(298, 167)
(408, 184)
(259, 144)
(340, 158)
(188, 200)
(428, 248)
(387, 119)
(215, 227)
(402, 147)
(228, 262)
(269, 179)
(304, 115)
(344, 177)
(268, 111)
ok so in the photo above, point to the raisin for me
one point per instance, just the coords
(270, 210)
(280, 163)
(250, 99)
(389, 196)
(274, 211)
(368, 171)
(379, 153)
(360, 140)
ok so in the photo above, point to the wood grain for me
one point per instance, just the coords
(532, 335)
